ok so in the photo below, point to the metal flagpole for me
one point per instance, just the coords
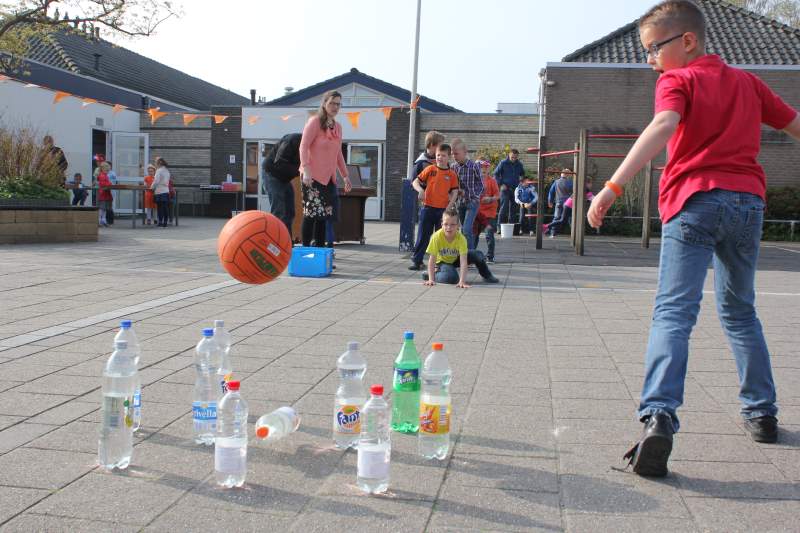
(409, 197)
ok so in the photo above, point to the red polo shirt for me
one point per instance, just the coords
(718, 138)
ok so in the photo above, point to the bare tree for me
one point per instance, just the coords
(24, 21)
(786, 11)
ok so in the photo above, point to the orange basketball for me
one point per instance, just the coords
(254, 247)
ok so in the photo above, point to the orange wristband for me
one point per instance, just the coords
(616, 189)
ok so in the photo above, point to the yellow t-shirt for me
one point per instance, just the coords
(447, 252)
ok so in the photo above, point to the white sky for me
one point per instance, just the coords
(472, 56)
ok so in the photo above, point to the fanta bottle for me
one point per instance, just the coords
(350, 398)
(434, 405)
(405, 399)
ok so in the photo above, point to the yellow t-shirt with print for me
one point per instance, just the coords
(444, 251)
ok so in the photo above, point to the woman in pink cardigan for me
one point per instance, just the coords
(320, 157)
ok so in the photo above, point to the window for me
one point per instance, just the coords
(368, 157)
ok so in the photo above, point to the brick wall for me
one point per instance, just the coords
(226, 140)
(396, 161)
(187, 149)
(620, 100)
(19, 226)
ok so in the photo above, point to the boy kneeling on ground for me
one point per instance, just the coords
(448, 255)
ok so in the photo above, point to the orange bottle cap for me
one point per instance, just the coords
(438, 346)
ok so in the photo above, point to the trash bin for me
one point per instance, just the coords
(506, 231)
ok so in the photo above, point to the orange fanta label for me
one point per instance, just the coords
(434, 419)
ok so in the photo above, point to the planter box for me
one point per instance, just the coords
(20, 225)
(34, 202)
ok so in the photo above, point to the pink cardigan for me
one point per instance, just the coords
(321, 151)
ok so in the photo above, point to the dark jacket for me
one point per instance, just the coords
(509, 172)
(283, 159)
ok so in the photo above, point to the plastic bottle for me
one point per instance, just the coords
(405, 399)
(115, 446)
(126, 333)
(230, 445)
(435, 409)
(206, 388)
(374, 445)
(350, 397)
(277, 424)
(223, 338)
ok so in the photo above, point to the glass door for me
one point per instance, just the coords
(263, 196)
(129, 156)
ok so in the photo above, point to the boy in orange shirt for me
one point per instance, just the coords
(711, 202)
(488, 208)
(439, 192)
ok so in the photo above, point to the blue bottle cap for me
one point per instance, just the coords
(408, 335)
(125, 324)
(208, 332)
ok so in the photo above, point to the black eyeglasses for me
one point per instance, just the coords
(655, 48)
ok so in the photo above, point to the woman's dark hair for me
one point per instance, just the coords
(160, 162)
(322, 113)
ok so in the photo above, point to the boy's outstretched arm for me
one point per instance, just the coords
(647, 146)
(431, 281)
(462, 272)
(793, 128)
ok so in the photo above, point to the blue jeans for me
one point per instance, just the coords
(565, 217)
(430, 219)
(448, 273)
(281, 200)
(723, 228)
(469, 220)
(509, 211)
(162, 202)
(491, 227)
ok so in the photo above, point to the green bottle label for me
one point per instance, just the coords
(406, 379)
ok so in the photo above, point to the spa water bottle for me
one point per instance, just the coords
(115, 446)
(230, 444)
(207, 357)
(374, 445)
(126, 333)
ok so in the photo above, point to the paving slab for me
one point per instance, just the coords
(542, 414)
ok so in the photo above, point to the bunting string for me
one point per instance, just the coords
(353, 117)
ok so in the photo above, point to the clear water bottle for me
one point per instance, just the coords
(207, 356)
(405, 398)
(374, 446)
(435, 408)
(126, 333)
(230, 445)
(277, 424)
(223, 338)
(350, 397)
(115, 446)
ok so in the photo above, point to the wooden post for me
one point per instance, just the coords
(579, 204)
(574, 178)
(648, 186)
(540, 188)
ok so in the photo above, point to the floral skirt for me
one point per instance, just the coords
(318, 200)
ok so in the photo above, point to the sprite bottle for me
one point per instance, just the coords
(406, 385)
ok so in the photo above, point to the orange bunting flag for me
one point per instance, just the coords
(415, 103)
(88, 101)
(117, 108)
(286, 117)
(188, 118)
(353, 117)
(155, 114)
(252, 120)
(219, 119)
(387, 112)
(60, 95)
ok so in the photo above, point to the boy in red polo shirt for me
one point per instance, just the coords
(711, 201)
(437, 186)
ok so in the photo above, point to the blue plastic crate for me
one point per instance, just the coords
(311, 262)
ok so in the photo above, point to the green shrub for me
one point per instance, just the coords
(27, 169)
(783, 203)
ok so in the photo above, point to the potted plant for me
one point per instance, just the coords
(29, 174)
